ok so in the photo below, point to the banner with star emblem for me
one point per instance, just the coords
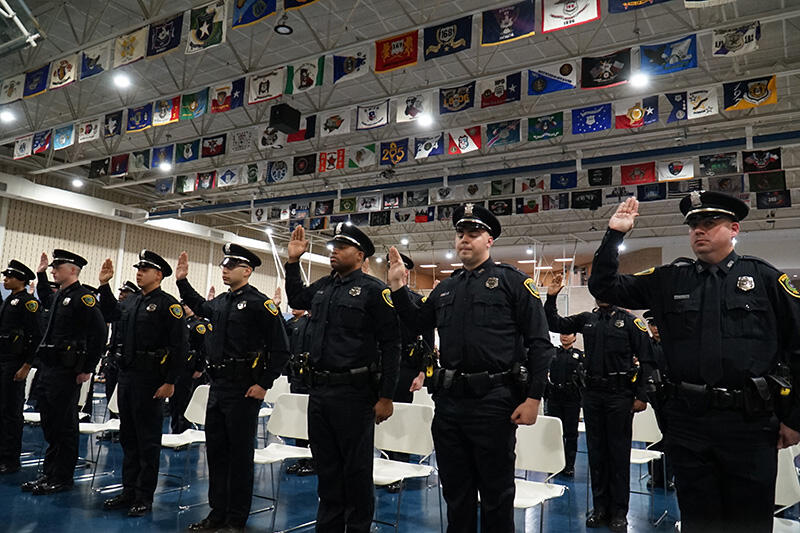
(702, 102)
(11, 88)
(591, 119)
(186, 152)
(372, 116)
(428, 146)
(448, 38)
(207, 25)
(623, 6)
(679, 110)
(396, 52)
(23, 146)
(227, 96)
(140, 118)
(638, 173)
(455, 99)
(96, 60)
(503, 133)
(675, 169)
(552, 78)
(411, 106)
(131, 47)
(166, 111)
(560, 14)
(507, 24)
(635, 112)
(332, 160)
(267, 86)
(335, 123)
(736, 41)
(119, 166)
(666, 58)
(64, 137)
(546, 127)
(162, 154)
(36, 81)
(89, 130)
(362, 156)
(394, 152)
(164, 36)
(247, 12)
(213, 146)
(351, 64)
(464, 140)
(64, 71)
(304, 76)
(112, 124)
(606, 71)
(500, 90)
(194, 105)
(750, 93)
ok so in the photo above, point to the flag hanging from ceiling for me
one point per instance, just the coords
(41, 141)
(719, 164)
(162, 154)
(447, 38)
(564, 180)
(247, 12)
(23, 146)
(560, 14)
(394, 152)
(119, 166)
(528, 205)
(64, 71)
(89, 130)
(194, 105)
(728, 184)
(675, 169)
(606, 71)
(599, 176)
(131, 47)
(428, 146)
(363, 156)
(166, 110)
(546, 126)
(500, 90)
(112, 124)
(213, 146)
(638, 173)
(651, 192)
(240, 140)
(277, 171)
(164, 36)
(333, 160)
(99, 168)
(635, 112)
(228, 176)
(12, 88)
(773, 200)
(304, 76)
(269, 138)
(163, 186)
(36, 81)
(552, 78)
(267, 86)
(411, 106)
(140, 118)
(187, 151)
(96, 60)
(623, 6)
(396, 52)
(372, 116)
(705, 3)
(254, 172)
(463, 140)
(666, 58)
(503, 133)
(139, 161)
(205, 181)
(308, 129)
(759, 181)
(351, 64)
(683, 188)
(207, 25)
(506, 24)
(529, 185)
(736, 41)
(591, 119)
(288, 5)
(335, 123)
(702, 102)
(754, 92)
(304, 164)
(455, 99)
(64, 137)
(591, 199)
(679, 110)
(761, 160)
(227, 96)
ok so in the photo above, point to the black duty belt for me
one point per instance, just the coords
(700, 397)
(473, 385)
(355, 376)
(612, 380)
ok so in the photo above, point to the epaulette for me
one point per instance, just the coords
(682, 261)
(759, 260)
(512, 268)
(372, 278)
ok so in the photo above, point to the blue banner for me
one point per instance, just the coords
(506, 24)
(428, 146)
(140, 118)
(565, 180)
(394, 152)
(448, 38)
(162, 154)
(622, 6)
(251, 11)
(36, 81)
(678, 103)
(666, 58)
(558, 77)
(164, 36)
(455, 99)
(591, 119)
(503, 133)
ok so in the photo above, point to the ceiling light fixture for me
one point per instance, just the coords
(404, 241)
(449, 255)
(562, 260)
(529, 251)
(268, 231)
(77, 183)
(451, 271)
(543, 268)
(122, 80)
(379, 260)
(7, 116)
(165, 166)
(526, 261)
(428, 266)
(639, 80)
(425, 120)
(281, 28)
(456, 264)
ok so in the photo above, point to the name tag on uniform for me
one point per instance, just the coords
(152, 307)
(241, 305)
(681, 296)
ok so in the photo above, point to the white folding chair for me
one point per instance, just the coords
(408, 430)
(30, 417)
(423, 397)
(646, 430)
(289, 419)
(540, 448)
(279, 386)
(90, 429)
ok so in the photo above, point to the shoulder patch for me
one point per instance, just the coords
(786, 283)
(387, 297)
(531, 286)
(646, 272)
(271, 307)
(32, 306)
(200, 328)
(640, 324)
(176, 310)
(89, 300)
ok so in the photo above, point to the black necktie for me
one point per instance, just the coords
(220, 329)
(598, 357)
(56, 301)
(711, 333)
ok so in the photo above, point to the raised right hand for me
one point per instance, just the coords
(556, 284)
(396, 269)
(106, 271)
(623, 219)
(297, 244)
(182, 268)
(43, 263)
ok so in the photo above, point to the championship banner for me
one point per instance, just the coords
(448, 38)
(507, 24)
(666, 58)
(558, 14)
(750, 93)
(396, 52)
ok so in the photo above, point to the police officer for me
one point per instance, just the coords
(491, 324)
(70, 350)
(190, 375)
(563, 395)
(20, 334)
(152, 347)
(728, 325)
(353, 369)
(299, 332)
(658, 467)
(615, 390)
(246, 351)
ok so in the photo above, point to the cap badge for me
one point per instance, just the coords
(492, 283)
(468, 209)
(241, 305)
(355, 291)
(695, 199)
(339, 228)
(745, 283)
(152, 307)
(227, 249)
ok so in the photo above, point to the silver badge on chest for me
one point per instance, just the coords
(745, 283)
(151, 307)
(241, 305)
(66, 301)
(15, 301)
(355, 291)
(492, 283)
(619, 324)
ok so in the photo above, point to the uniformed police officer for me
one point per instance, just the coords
(246, 349)
(298, 329)
(354, 351)
(491, 324)
(152, 349)
(659, 467)
(728, 325)
(563, 395)
(190, 374)
(70, 350)
(20, 334)
(614, 391)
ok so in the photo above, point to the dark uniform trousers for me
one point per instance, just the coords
(58, 400)
(479, 438)
(12, 399)
(184, 387)
(231, 423)
(111, 375)
(141, 418)
(609, 424)
(566, 406)
(341, 428)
